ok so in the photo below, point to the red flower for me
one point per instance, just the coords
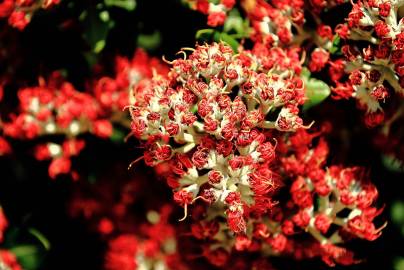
(319, 58)
(10, 260)
(18, 19)
(59, 166)
(216, 18)
(322, 223)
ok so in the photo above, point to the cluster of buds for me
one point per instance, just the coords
(270, 22)
(326, 208)
(333, 204)
(273, 22)
(20, 12)
(8, 260)
(56, 109)
(113, 93)
(375, 64)
(154, 246)
(106, 207)
(217, 12)
(60, 155)
(208, 121)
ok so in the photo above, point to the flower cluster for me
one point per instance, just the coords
(228, 126)
(113, 93)
(273, 22)
(153, 247)
(20, 12)
(326, 207)
(332, 203)
(217, 12)
(375, 64)
(55, 109)
(208, 121)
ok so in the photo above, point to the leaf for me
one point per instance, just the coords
(29, 256)
(149, 42)
(40, 237)
(316, 90)
(397, 212)
(392, 164)
(129, 5)
(232, 42)
(117, 136)
(399, 263)
(204, 34)
(99, 46)
(234, 22)
(335, 48)
(104, 16)
(96, 28)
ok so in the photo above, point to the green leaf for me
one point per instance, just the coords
(41, 238)
(117, 136)
(397, 212)
(209, 34)
(104, 16)
(29, 256)
(399, 263)
(335, 48)
(305, 74)
(316, 90)
(149, 42)
(129, 5)
(205, 34)
(232, 42)
(99, 46)
(96, 28)
(392, 164)
(91, 58)
(234, 22)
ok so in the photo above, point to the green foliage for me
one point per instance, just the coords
(209, 35)
(118, 136)
(29, 246)
(399, 263)
(97, 24)
(336, 46)
(397, 212)
(236, 26)
(29, 256)
(316, 90)
(149, 42)
(392, 164)
(40, 237)
(129, 5)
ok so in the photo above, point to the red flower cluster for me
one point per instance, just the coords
(375, 66)
(208, 122)
(331, 204)
(153, 247)
(223, 156)
(217, 13)
(20, 12)
(56, 108)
